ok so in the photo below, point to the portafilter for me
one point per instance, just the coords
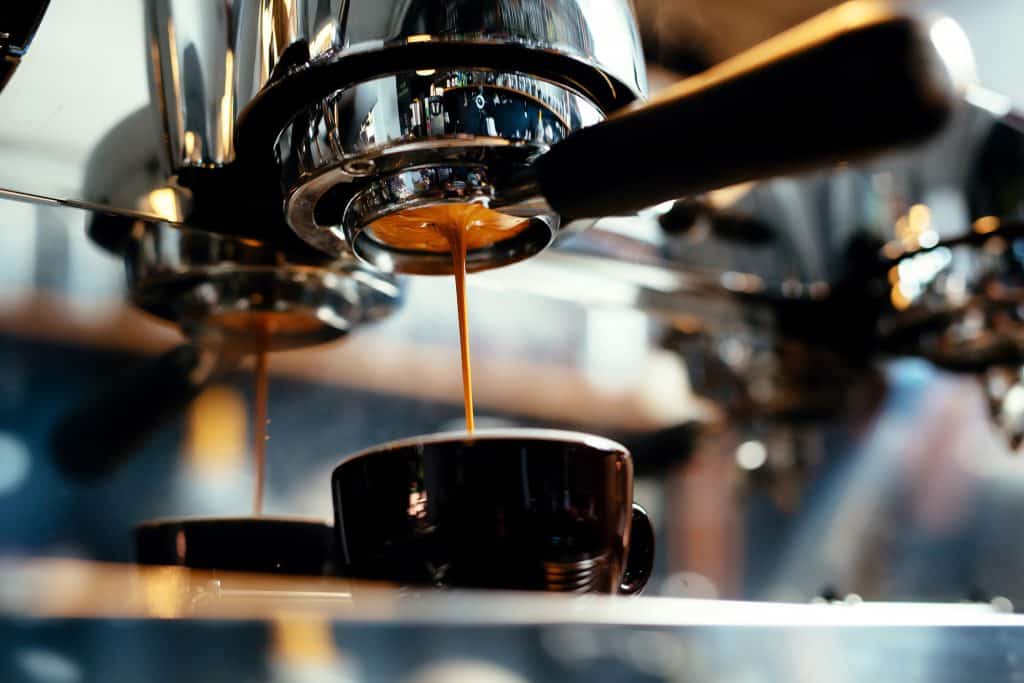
(528, 140)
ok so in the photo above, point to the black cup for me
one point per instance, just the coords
(266, 545)
(507, 510)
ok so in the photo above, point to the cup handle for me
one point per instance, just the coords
(640, 559)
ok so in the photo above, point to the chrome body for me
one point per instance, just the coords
(421, 138)
(210, 59)
(232, 294)
(353, 96)
(428, 186)
(229, 294)
(602, 35)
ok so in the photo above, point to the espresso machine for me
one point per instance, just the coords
(237, 183)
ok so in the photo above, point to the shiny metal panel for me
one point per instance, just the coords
(209, 59)
(267, 29)
(229, 293)
(219, 290)
(193, 52)
(602, 33)
(467, 108)
(486, 125)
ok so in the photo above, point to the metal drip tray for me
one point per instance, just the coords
(81, 620)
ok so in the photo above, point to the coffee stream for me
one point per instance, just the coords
(457, 239)
(455, 228)
(259, 446)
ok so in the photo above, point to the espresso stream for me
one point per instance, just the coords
(259, 446)
(455, 228)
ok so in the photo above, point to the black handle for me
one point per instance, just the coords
(19, 22)
(640, 560)
(851, 82)
(102, 433)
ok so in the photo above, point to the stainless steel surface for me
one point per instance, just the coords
(235, 626)
(208, 60)
(127, 168)
(955, 277)
(303, 216)
(46, 143)
(368, 132)
(207, 64)
(811, 222)
(602, 36)
(301, 649)
(433, 186)
(958, 305)
(488, 122)
(193, 80)
(576, 63)
(242, 296)
(233, 294)
(421, 138)
(211, 62)
(381, 116)
(928, 233)
(65, 588)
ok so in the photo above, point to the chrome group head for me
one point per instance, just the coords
(367, 108)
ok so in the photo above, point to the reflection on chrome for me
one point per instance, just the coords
(220, 290)
(374, 88)
(209, 59)
(480, 126)
(475, 108)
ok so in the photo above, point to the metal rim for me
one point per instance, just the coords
(454, 135)
(537, 237)
(193, 279)
(599, 444)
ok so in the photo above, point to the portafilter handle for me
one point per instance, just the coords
(860, 78)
